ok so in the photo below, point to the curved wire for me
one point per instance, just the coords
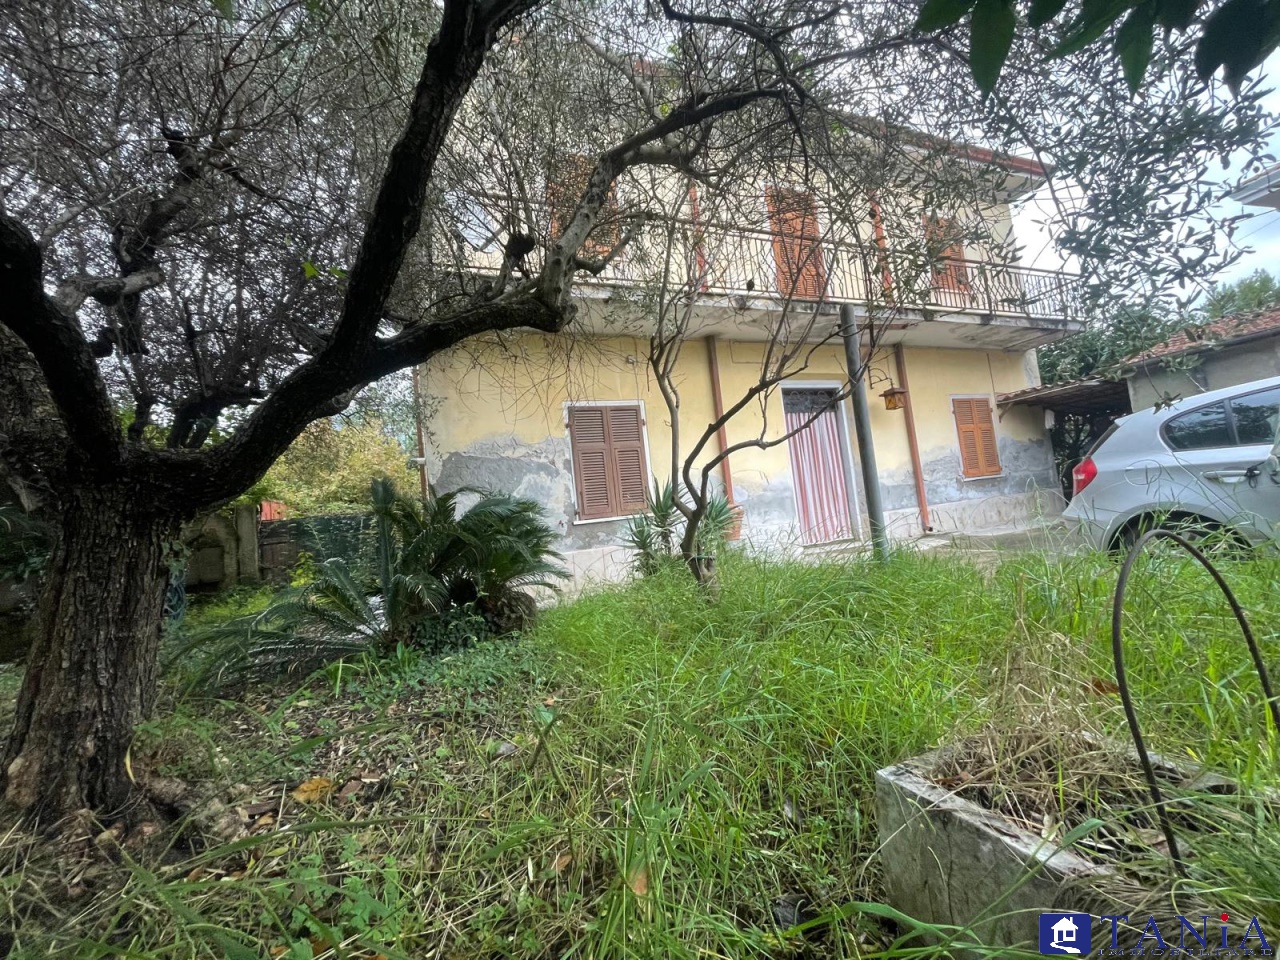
(1126, 698)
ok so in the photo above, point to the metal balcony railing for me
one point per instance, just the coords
(758, 264)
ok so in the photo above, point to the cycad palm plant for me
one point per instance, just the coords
(429, 563)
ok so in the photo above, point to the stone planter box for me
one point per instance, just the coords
(949, 861)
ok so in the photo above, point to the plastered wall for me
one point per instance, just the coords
(1225, 367)
(496, 420)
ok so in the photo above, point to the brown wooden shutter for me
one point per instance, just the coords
(976, 431)
(943, 242)
(589, 438)
(797, 246)
(626, 441)
(987, 437)
(609, 468)
(564, 189)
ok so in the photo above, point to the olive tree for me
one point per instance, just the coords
(222, 221)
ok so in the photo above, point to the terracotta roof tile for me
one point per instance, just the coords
(1222, 331)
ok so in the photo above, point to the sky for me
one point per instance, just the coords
(1260, 234)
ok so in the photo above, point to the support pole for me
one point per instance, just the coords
(862, 424)
(717, 408)
(913, 444)
(418, 414)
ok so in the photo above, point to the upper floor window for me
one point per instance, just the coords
(797, 243)
(945, 244)
(567, 181)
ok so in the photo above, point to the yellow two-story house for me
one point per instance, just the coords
(584, 423)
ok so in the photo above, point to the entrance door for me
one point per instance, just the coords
(817, 465)
(797, 247)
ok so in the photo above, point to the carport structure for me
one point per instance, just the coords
(1078, 412)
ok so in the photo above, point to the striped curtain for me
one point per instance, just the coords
(822, 498)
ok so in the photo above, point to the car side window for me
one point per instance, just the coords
(1256, 416)
(1199, 429)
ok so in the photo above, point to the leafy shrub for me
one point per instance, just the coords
(440, 580)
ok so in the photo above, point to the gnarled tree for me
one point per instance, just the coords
(223, 220)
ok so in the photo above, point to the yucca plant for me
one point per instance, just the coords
(655, 536)
(431, 566)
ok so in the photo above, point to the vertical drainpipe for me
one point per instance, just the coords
(717, 406)
(913, 444)
(422, 443)
(862, 424)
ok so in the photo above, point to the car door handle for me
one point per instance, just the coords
(1226, 476)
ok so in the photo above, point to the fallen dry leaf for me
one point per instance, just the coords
(313, 791)
(350, 789)
(954, 783)
(791, 812)
(638, 880)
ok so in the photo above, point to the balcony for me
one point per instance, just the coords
(754, 273)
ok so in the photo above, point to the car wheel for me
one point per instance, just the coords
(1209, 536)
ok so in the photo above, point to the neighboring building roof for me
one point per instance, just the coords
(1234, 329)
(1088, 396)
(1260, 190)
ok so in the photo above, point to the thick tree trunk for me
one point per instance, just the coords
(92, 671)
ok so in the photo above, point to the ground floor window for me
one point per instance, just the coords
(976, 430)
(610, 472)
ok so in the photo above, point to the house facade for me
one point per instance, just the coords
(582, 423)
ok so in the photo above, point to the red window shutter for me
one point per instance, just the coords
(564, 190)
(944, 244)
(609, 467)
(987, 437)
(976, 432)
(797, 246)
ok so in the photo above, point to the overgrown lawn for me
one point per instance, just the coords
(647, 775)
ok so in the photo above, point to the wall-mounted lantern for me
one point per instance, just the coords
(895, 398)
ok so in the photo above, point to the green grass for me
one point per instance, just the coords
(205, 610)
(650, 774)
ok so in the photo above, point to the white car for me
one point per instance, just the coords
(1204, 463)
